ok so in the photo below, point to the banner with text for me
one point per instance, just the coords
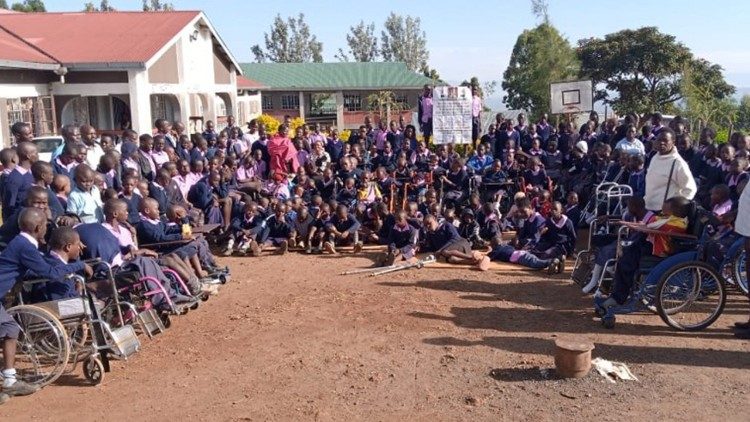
(451, 115)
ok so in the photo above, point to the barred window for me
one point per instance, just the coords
(352, 102)
(267, 102)
(290, 102)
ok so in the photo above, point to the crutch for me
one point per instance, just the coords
(419, 264)
(366, 270)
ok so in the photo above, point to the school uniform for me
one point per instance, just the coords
(559, 238)
(134, 207)
(157, 192)
(335, 148)
(15, 186)
(530, 232)
(537, 179)
(637, 182)
(506, 253)
(349, 224)
(154, 231)
(20, 256)
(444, 238)
(478, 164)
(403, 239)
(66, 170)
(201, 195)
(278, 230)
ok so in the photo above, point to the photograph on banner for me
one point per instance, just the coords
(451, 115)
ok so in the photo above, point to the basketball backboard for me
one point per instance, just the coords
(571, 97)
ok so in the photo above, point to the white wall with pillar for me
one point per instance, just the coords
(339, 96)
(140, 100)
(301, 105)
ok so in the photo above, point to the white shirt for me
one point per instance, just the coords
(742, 223)
(632, 148)
(657, 180)
(94, 154)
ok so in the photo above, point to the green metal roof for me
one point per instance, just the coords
(334, 76)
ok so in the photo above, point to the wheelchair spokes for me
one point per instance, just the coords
(43, 348)
(691, 297)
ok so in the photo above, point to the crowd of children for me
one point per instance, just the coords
(312, 191)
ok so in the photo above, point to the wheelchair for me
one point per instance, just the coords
(488, 191)
(55, 336)
(687, 289)
(601, 231)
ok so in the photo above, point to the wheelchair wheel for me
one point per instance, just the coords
(738, 270)
(93, 370)
(690, 296)
(43, 348)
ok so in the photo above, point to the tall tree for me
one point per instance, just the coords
(104, 6)
(157, 6)
(29, 6)
(705, 94)
(3, 4)
(540, 56)
(644, 67)
(403, 40)
(290, 41)
(363, 44)
(743, 113)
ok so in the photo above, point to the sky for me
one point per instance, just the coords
(476, 38)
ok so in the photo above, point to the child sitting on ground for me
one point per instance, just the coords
(246, 230)
(402, 240)
(342, 230)
(279, 230)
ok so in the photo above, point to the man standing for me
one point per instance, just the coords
(71, 134)
(164, 128)
(425, 113)
(21, 132)
(476, 111)
(94, 151)
(742, 226)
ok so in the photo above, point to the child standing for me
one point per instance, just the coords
(85, 200)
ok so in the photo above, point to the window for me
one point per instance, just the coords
(290, 102)
(402, 100)
(267, 102)
(352, 102)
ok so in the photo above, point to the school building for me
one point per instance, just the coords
(118, 70)
(337, 94)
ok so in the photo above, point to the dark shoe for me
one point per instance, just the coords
(742, 325)
(283, 247)
(553, 268)
(744, 334)
(20, 388)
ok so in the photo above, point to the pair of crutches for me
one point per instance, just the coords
(391, 268)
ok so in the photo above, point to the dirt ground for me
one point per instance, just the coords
(290, 339)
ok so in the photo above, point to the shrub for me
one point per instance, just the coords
(270, 122)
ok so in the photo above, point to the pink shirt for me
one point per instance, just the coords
(122, 234)
(183, 183)
(159, 158)
(723, 208)
(476, 106)
(426, 109)
(381, 137)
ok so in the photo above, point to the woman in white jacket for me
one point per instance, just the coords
(668, 175)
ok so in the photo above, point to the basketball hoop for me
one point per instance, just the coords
(571, 97)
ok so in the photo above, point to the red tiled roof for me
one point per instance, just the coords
(13, 49)
(245, 83)
(98, 37)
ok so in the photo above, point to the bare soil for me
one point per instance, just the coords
(290, 339)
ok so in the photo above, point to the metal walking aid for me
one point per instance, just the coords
(419, 264)
(367, 270)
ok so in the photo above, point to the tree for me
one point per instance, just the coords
(3, 4)
(384, 102)
(431, 72)
(29, 6)
(290, 41)
(104, 6)
(157, 6)
(705, 94)
(363, 44)
(743, 113)
(403, 40)
(540, 56)
(644, 67)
